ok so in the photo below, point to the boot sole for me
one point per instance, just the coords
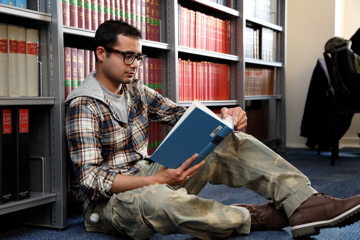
(310, 229)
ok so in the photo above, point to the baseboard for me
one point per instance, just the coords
(349, 142)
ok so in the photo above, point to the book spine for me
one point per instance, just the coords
(67, 70)
(73, 13)
(21, 4)
(4, 55)
(6, 156)
(14, 84)
(66, 12)
(94, 15)
(32, 52)
(21, 66)
(87, 14)
(81, 13)
(81, 66)
(21, 142)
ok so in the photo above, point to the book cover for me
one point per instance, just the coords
(67, 70)
(6, 156)
(32, 67)
(81, 13)
(94, 14)
(21, 155)
(199, 130)
(87, 14)
(74, 68)
(4, 55)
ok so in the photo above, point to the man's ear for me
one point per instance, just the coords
(100, 53)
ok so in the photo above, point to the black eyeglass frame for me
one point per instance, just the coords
(139, 57)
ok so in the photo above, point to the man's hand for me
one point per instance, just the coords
(179, 175)
(238, 115)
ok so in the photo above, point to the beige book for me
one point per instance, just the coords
(21, 67)
(4, 52)
(14, 84)
(32, 67)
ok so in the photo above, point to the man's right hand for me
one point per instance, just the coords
(179, 175)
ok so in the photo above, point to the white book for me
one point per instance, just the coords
(32, 67)
(21, 66)
(4, 52)
(14, 84)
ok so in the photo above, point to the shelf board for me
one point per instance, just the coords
(265, 23)
(262, 62)
(219, 7)
(36, 199)
(208, 53)
(263, 97)
(91, 34)
(25, 13)
(220, 103)
(11, 101)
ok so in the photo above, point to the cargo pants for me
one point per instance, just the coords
(239, 161)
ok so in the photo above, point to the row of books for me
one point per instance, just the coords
(156, 135)
(204, 81)
(77, 64)
(151, 73)
(89, 14)
(260, 43)
(14, 154)
(259, 81)
(205, 32)
(19, 67)
(258, 120)
(261, 9)
(15, 3)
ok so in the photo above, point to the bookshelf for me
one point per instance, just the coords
(161, 25)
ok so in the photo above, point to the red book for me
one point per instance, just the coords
(66, 12)
(94, 15)
(100, 10)
(6, 156)
(180, 80)
(67, 70)
(157, 20)
(73, 13)
(81, 13)
(74, 69)
(21, 143)
(87, 14)
(81, 65)
(87, 60)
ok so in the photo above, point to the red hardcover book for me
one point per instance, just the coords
(67, 70)
(87, 59)
(66, 12)
(157, 20)
(74, 69)
(21, 155)
(81, 13)
(81, 65)
(6, 156)
(133, 13)
(87, 14)
(106, 10)
(100, 10)
(127, 11)
(73, 13)
(143, 18)
(94, 15)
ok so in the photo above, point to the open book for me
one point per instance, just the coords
(199, 130)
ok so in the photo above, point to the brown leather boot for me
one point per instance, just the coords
(265, 216)
(320, 211)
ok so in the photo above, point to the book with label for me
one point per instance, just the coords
(199, 130)
(6, 156)
(21, 155)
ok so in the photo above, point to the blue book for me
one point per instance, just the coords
(8, 2)
(199, 130)
(21, 3)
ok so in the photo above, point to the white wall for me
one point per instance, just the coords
(310, 23)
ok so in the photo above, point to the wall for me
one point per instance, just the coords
(310, 23)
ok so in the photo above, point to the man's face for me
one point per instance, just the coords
(113, 68)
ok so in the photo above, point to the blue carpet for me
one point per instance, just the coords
(340, 181)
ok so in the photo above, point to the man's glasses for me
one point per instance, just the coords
(129, 58)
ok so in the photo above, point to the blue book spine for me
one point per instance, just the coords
(8, 2)
(21, 3)
(213, 144)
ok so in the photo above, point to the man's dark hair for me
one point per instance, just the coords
(107, 32)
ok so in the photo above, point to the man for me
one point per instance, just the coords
(106, 126)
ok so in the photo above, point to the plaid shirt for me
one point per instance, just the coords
(102, 146)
